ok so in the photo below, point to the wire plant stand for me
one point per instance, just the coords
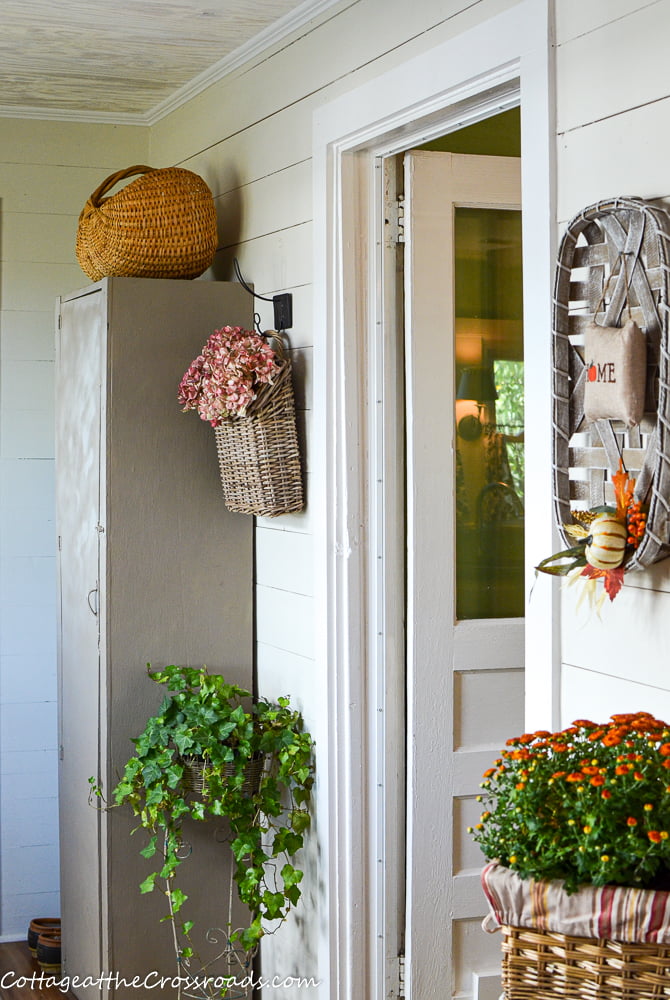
(226, 970)
(213, 964)
(616, 250)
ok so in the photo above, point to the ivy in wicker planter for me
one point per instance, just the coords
(204, 718)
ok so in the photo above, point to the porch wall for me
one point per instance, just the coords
(47, 169)
(251, 138)
(613, 110)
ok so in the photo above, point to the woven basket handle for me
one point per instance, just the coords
(97, 198)
(279, 346)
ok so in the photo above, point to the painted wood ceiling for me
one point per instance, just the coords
(127, 58)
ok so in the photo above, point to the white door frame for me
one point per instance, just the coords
(462, 80)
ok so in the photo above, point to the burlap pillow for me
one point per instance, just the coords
(616, 366)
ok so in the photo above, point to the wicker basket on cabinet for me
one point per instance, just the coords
(161, 225)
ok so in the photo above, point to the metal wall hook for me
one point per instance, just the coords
(282, 303)
(238, 275)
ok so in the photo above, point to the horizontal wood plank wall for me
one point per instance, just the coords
(250, 137)
(47, 170)
(575, 19)
(613, 108)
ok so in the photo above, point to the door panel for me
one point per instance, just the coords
(465, 643)
(78, 504)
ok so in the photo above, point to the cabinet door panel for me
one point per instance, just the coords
(80, 345)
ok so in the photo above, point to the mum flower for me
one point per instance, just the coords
(580, 809)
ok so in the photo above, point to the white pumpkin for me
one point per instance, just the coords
(607, 546)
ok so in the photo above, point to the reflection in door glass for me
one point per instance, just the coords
(489, 414)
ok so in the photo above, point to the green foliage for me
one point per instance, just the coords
(509, 379)
(589, 804)
(205, 718)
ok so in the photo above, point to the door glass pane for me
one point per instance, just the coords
(489, 414)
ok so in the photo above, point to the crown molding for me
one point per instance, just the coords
(260, 43)
(256, 46)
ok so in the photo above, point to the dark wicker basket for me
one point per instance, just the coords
(162, 225)
(541, 965)
(258, 454)
(195, 769)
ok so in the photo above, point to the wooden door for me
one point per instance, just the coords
(465, 653)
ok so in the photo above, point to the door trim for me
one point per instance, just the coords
(482, 71)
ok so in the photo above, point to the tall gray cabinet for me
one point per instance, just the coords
(152, 569)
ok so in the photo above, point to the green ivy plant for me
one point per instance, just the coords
(204, 717)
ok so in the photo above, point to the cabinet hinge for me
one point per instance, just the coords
(401, 239)
(60, 543)
(395, 222)
(401, 976)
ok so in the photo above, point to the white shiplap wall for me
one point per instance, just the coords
(613, 110)
(47, 170)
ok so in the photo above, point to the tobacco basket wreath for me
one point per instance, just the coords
(616, 250)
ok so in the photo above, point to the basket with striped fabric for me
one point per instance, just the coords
(599, 943)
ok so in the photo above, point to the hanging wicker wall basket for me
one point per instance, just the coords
(616, 253)
(258, 453)
(161, 225)
(195, 772)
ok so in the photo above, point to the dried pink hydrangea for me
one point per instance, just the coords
(222, 381)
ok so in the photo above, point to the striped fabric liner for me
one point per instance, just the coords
(614, 913)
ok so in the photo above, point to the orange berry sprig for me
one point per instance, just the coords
(636, 522)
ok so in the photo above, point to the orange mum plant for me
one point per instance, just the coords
(605, 537)
(589, 804)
